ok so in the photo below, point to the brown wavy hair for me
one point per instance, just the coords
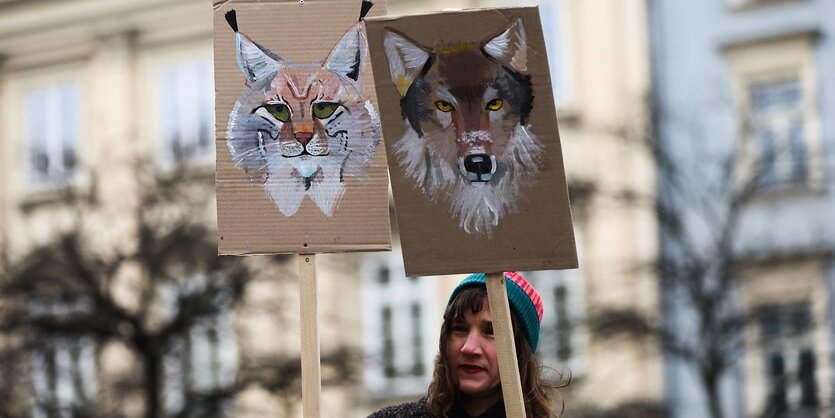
(443, 393)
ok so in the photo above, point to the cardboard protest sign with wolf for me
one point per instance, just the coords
(474, 152)
(300, 164)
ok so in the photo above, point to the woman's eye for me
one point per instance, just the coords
(324, 110)
(279, 111)
(495, 104)
(444, 106)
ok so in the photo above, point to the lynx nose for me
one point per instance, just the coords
(478, 167)
(303, 137)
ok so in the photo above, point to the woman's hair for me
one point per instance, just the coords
(443, 393)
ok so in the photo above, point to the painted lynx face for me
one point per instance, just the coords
(304, 127)
(466, 107)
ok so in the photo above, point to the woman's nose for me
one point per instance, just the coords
(472, 345)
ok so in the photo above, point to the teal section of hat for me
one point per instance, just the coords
(520, 301)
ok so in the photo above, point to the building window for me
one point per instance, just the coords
(556, 31)
(776, 126)
(775, 94)
(52, 130)
(397, 348)
(562, 336)
(63, 367)
(187, 111)
(786, 336)
(201, 364)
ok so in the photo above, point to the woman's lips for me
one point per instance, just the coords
(471, 369)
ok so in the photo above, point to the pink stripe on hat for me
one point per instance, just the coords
(533, 295)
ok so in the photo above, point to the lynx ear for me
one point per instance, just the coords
(255, 61)
(406, 59)
(510, 48)
(347, 58)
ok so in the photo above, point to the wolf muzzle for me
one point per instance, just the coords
(477, 168)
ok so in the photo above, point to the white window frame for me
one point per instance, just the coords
(546, 283)
(52, 131)
(557, 30)
(789, 347)
(196, 363)
(72, 359)
(186, 110)
(788, 57)
(398, 295)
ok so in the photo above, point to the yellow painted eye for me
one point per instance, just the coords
(444, 106)
(324, 110)
(495, 104)
(279, 111)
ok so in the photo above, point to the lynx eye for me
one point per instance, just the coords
(279, 111)
(495, 104)
(444, 106)
(324, 110)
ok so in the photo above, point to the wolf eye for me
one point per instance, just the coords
(444, 106)
(495, 104)
(324, 110)
(279, 111)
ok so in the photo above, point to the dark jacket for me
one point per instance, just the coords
(419, 409)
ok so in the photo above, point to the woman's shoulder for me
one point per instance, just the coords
(417, 409)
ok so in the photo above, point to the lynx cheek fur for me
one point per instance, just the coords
(467, 140)
(303, 128)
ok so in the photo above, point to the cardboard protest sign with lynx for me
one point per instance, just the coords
(475, 159)
(300, 161)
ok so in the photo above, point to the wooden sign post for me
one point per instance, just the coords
(311, 365)
(298, 132)
(514, 400)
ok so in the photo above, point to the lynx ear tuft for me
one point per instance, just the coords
(509, 48)
(406, 59)
(232, 19)
(366, 6)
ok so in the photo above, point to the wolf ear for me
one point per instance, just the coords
(255, 61)
(510, 48)
(347, 58)
(406, 59)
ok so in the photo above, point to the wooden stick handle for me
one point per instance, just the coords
(514, 401)
(311, 375)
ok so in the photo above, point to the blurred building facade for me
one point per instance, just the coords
(89, 86)
(745, 95)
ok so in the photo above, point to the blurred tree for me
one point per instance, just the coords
(701, 196)
(69, 301)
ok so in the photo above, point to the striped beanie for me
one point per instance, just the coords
(524, 300)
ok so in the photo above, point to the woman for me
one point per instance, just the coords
(466, 382)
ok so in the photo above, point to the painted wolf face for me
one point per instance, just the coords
(303, 127)
(466, 107)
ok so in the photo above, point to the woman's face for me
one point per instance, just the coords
(472, 354)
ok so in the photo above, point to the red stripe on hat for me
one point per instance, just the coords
(533, 295)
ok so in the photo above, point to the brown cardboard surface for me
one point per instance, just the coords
(249, 221)
(538, 235)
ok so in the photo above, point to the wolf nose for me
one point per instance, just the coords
(479, 167)
(303, 137)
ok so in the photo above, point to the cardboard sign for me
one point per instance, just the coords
(300, 160)
(473, 147)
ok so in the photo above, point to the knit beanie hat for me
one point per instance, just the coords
(524, 300)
